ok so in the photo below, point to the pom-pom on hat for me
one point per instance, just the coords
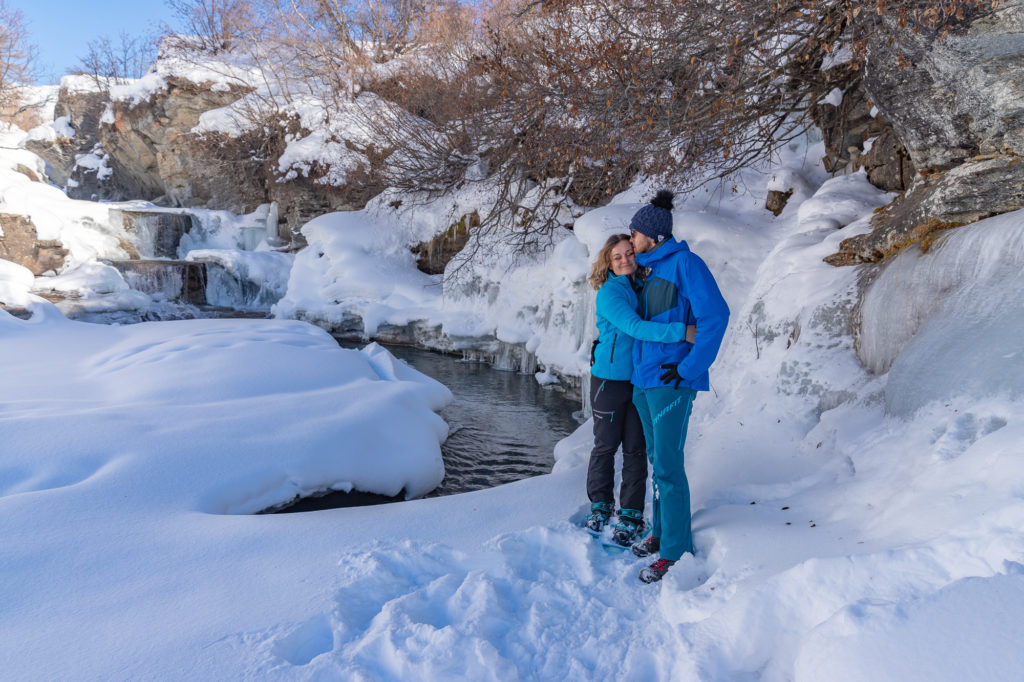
(655, 219)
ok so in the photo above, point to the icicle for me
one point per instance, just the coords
(585, 331)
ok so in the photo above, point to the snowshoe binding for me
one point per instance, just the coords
(630, 528)
(598, 517)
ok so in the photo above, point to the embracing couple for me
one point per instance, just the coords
(658, 333)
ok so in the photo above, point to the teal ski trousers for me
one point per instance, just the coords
(665, 414)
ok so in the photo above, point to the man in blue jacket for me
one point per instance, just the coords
(667, 376)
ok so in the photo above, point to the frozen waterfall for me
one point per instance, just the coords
(927, 313)
(165, 280)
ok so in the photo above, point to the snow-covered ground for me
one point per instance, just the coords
(849, 525)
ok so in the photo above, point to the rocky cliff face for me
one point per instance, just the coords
(957, 105)
(858, 136)
(154, 154)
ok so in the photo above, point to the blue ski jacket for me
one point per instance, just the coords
(680, 288)
(618, 324)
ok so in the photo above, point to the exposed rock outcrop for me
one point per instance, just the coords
(153, 152)
(83, 109)
(857, 136)
(957, 104)
(20, 244)
(433, 256)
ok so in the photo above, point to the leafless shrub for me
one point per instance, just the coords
(17, 65)
(558, 102)
(212, 26)
(111, 62)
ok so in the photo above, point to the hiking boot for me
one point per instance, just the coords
(656, 571)
(629, 527)
(599, 514)
(647, 547)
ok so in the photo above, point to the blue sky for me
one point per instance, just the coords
(62, 28)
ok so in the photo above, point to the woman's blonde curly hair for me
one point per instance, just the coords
(599, 272)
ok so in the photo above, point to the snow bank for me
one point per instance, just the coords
(59, 129)
(176, 60)
(85, 84)
(336, 132)
(95, 288)
(233, 376)
(83, 227)
(840, 201)
(355, 264)
(15, 283)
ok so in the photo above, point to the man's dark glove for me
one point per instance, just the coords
(671, 374)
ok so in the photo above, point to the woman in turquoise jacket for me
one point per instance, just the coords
(616, 421)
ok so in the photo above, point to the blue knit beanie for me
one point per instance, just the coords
(655, 219)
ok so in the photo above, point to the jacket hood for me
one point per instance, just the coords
(663, 250)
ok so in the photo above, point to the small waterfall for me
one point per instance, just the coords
(505, 358)
(227, 290)
(175, 281)
(252, 236)
(155, 234)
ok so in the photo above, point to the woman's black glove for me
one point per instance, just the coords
(671, 374)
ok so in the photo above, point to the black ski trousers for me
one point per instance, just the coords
(616, 422)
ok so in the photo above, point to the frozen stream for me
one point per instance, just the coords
(504, 427)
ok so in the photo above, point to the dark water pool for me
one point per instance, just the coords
(503, 427)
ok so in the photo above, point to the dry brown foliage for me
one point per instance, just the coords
(570, 99)
(581, 97)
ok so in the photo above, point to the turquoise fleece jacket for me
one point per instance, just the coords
(618, 324)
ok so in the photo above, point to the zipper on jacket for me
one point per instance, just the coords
(644, 291)
(615, 338)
